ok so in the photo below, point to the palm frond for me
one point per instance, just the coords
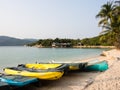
(103, 22)
(107, 27)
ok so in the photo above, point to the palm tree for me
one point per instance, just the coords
(106, 16)
(110, 21)
(116, 25)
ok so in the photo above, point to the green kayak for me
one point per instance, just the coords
(96, 66)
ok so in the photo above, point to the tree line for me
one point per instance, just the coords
(95, 41)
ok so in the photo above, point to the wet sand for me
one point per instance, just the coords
(108, 80)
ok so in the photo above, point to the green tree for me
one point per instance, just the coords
(47, 42)
(110, 22)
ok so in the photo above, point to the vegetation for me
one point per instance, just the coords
(110, 22)
(95, 41)
(49, 42)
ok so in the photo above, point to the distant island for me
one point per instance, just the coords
(11, 41)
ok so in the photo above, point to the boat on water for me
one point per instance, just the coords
(44, 74)
(96, 66)
(4, 86)
(17, 80)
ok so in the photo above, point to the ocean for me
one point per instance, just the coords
(14, 55)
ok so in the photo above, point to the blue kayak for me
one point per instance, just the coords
(18, 81)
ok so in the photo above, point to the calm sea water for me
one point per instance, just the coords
(12, 56)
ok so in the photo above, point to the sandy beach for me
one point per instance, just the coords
(108, 80)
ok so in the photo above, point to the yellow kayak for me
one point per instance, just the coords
(46, 66)
(43, 66)
(40, 74)
(71, 66)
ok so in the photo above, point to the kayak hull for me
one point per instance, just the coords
(70, 66)
(99, 66)
(19, 81)
(47, 75)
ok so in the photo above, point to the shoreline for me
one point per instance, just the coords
(109, 47)
(108, 80)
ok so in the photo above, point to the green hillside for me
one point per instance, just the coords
(10, 41)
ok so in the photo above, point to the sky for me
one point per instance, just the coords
(42, 19)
